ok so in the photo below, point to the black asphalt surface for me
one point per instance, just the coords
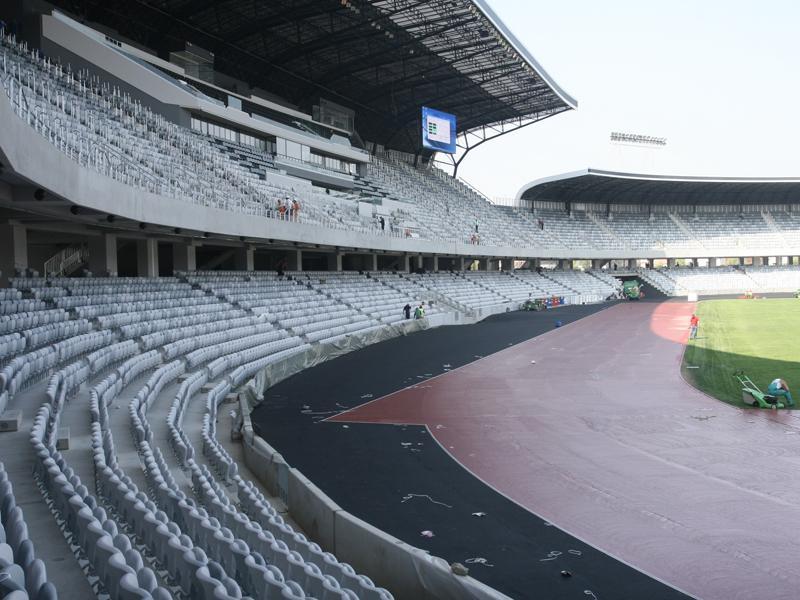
(400, 480)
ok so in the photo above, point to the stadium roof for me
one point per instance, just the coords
(595, 186)
(382, 58)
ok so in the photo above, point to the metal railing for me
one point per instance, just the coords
(65, 261)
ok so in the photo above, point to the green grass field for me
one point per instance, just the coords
(761, 337)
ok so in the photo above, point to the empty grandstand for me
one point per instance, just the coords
(201, 200)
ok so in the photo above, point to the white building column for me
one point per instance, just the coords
(294, 260)
(244, 258)
(184, 257)
(103, 255)
(13, 250)
(147, 258)
(435, 263)
(335, 262)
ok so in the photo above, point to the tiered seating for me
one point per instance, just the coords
(459, 289)
(22, 575)
(110, 132)
(161, 345)
(157, 542)
(775, 279)
(504, 284)
(719, 280)
(647, 232)
(724, 280)
(368, 295)
(105, 130)
(582, 283)
(545, 285)
(576, 229)
(725, 230)
(659, 280)
(291, 303)
(614, 284)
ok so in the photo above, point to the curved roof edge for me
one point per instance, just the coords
(650, 177)
(524, 53)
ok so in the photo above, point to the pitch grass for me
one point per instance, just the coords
(760, 337)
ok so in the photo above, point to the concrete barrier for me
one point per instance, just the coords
(406, 571)
(265, 463)
(313, 510)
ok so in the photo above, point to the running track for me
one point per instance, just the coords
(604, 438)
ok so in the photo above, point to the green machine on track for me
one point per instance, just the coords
(630, 289)
(752, 394)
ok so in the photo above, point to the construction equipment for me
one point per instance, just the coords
(631, 289)
(752, 394)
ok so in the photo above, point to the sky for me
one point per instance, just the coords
(720, 79)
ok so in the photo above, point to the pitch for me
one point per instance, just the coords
(758, 337)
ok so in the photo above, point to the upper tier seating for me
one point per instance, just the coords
(105, 130)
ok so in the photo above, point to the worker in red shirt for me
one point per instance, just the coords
(694, 323)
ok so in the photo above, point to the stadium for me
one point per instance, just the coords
(258, 339)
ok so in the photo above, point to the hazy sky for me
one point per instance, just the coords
(719, 79)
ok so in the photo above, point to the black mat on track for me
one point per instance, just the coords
(382, 473)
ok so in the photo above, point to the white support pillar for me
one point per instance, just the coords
(13, 250)
(103, 255)
(435, 263)
(245, 258)
(294, 260)
(373, 263)
(335, 262)
(418, 262)
(566, 264)
(147, 258)
(184, 257)
(671, 263)
(462, 265)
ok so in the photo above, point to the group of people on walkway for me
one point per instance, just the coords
(288, 211)
(419, 312)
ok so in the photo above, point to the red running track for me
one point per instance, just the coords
(604, 438)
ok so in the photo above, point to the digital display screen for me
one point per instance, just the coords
(438, 130)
